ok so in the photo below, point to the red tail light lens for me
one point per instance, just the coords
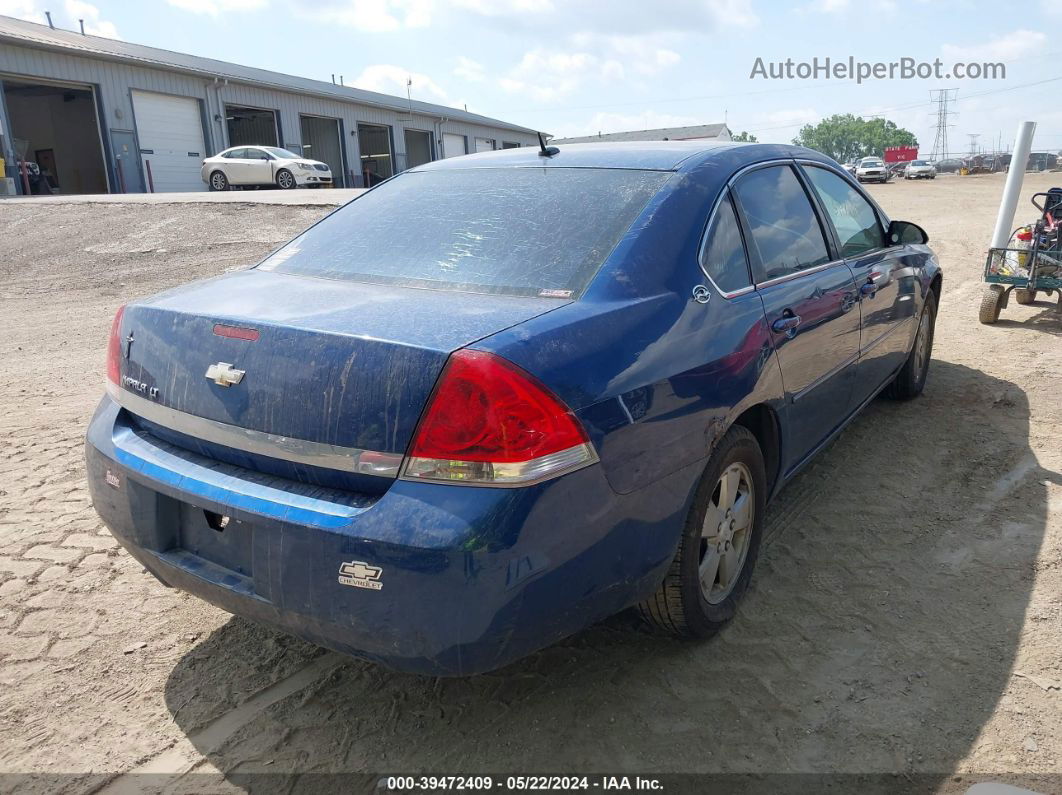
(490, 422)
(114, 348)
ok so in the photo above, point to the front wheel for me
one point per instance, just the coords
(911, 379)
(218, 181)
(719, 544)
(991, 304)
(285, 180)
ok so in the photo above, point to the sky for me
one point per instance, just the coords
(579, 67)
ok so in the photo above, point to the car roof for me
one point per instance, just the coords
(643, 155)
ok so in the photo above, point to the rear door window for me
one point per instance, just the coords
(786, 235)
(723, 256)
(518, 231)
(857, 225)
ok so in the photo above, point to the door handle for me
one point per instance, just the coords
(786, 323)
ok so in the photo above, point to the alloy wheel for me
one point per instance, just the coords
(726, 531)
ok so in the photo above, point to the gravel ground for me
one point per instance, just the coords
(905, 617)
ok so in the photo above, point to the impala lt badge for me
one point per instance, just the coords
(224, 374)
(361, 575)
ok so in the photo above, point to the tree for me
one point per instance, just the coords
(846, 137)
(745, 137)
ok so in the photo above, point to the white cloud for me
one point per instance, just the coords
(502, 8)
(370, 16)
(1016, 44)
(67, 17)
(22, 9)
(391, 79)
(468, 69)
(547, 74)
(828, 6)
(215, 8)
(632, 17)
(94, 26)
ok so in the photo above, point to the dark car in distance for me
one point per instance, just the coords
(500, 397)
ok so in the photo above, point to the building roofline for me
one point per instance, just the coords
(53, 40)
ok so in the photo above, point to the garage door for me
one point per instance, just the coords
(170, 132)
(484, 144)
(453, 145)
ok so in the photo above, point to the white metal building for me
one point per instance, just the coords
(98, 115)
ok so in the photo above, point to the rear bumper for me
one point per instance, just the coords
(469, 578)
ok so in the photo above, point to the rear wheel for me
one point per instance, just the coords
(911, 379)
(720, 541)
(218, 181)
(991, 304)
(1025, 296)
(285, 180)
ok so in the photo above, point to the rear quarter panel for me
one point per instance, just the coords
(656, 377)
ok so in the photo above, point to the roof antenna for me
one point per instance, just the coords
(49, 15)
(546, 151)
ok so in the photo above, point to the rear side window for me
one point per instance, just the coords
(723, 257)
(235, 154)
(856, 223)
(786, 235)
(517, 231)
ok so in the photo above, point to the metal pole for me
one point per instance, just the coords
(151, 182)
(25, 177)
(1012, 189)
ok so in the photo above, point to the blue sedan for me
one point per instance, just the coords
(500, 397)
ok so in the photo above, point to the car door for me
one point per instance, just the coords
(886, 286)
(259, 167)
(236, 166)
(808, 296)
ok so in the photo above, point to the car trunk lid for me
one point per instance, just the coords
(335, 363)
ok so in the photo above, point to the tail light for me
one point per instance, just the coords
(114, 348)
(490, 423)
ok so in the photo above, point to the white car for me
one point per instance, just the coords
(919, 169)
(872, 169)
(262, 166)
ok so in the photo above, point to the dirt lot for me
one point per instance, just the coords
(905, 618)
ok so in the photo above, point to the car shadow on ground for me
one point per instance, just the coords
(878, 637)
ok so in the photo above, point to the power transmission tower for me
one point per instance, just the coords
(973, 143)
(943, 97)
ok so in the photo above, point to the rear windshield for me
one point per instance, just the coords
(518, 231)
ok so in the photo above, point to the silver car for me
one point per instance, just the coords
(920, 169)
(872, 169)
(264, 166)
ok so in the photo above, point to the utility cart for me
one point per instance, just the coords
(1030, 264)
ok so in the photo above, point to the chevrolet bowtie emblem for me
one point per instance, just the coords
(360, 574)
(224, 374)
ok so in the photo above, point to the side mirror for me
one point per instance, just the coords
(903, 233)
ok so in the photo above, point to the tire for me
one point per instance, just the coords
(218, 181)
(286, 180)
(991, 304)
(1025, 297)
(680, 605)
(911, 379)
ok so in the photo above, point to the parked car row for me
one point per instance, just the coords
(874, 169)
